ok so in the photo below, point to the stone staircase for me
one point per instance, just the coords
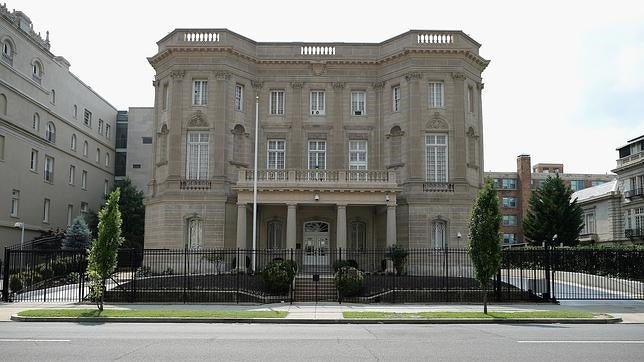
(305, 289)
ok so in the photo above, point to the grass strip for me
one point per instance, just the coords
(149, 313)
(469, 315)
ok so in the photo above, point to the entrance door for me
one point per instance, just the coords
(316, 243)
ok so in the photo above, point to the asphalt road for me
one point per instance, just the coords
(246, 342)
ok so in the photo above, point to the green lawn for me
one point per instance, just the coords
(150, 313)
(458, 315)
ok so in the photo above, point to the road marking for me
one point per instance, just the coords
(585, 342)
(33, 340)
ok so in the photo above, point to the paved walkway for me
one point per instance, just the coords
(629, 311)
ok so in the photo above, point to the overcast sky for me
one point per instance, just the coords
(565, 83)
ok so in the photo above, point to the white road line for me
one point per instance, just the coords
(585, 342)
(33, 340)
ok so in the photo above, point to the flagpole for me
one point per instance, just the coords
(255, 183)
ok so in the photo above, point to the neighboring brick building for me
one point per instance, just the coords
(515, 188)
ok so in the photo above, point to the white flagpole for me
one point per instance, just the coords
(255, 182)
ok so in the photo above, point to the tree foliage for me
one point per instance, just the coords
(552, 212)
(133, 212)
(485, 239)
(77, 236)
(104, 251)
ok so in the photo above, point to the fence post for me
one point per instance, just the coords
(547, 270)
(185, 267)
(294, 277)
(133, 270)
(5, 284)
(447, 299)
(237, 277)
(497, 286)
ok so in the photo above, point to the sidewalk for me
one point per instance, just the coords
(629, 311)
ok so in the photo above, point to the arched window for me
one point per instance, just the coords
(73, 144)
(239, 136)
(439, 232)
(7, 51)
(3, 104)
(358, 235)
(107, 159)
(274, 237)
(36, 123)
(50, 133)
(85, 147)
(36, 71)
(194, 233)
(53, 96)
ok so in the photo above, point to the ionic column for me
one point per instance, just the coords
(341, 226)
(391, 225)
(291, 226)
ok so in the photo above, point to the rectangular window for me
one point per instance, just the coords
(33, 165)
(1, 147)
(510, 202)
(164, 97)
(509, 238)
(239, 97)
(358, 103)
(136, 165)
(276, 154)
(317, 155)
(100, 126)
(509, 220)
(15, 202)
(199, 93)
(70, 214)
(577, 185)
(146, 140)
(470, 99)
(436, 157)
(72, 174)
(120, 164)
(277, 102)
(317, 103)
(84, 180)
(509, 184)
(49, 169)
(108, 131)
(436, 95)
(358, 155)
(121, 135)
(589, 223)
(597, 182)
(87, 119)
(84, 208)
(395, 95)
(197, 163)
(106, 187)
(45, 211)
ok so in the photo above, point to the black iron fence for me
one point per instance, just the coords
(368, 276)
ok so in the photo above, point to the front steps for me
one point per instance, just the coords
(305, 289)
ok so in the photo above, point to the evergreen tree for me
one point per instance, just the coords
(485, 239)
(133, 212)
(552, 213)
(104, 251)
(77, 236)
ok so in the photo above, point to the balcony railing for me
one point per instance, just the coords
(194, 184)
(635, 192)
(630, 159)
(438, 187)
(634, 233)
(305, 177)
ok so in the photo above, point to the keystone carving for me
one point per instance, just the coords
(338, 85)
(198, 119)
(297, 85)
(413, 75)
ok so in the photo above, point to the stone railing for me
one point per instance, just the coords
(435, 38)
(630, 159)
(317, 50)
(305, 177)
(196, 185)
(438, 187)
(201, 37)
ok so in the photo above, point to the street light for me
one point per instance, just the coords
(22, 239)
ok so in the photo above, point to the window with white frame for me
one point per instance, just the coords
(87, 118)
(276, 158)
(73, 142)
(85, 148)
(509, 220)
(358, 155)
(436, 155)
(274, 234)
(194, 233)
(589, 222)
(358, 235)
(49, 169)
(100, 126)
(395, 96)
(358, 100)
(70, 214)
(439, 232)
(15, 202)
(277, 102)
(36, 122)
(317, 103)
(509, 238)
(510, 202)
(436, 95)
(199, 93)
(72, 174)
(84, 207)
(638, 215)
(50, 133)
(84, 180)
(239, 97)
(45, 211)
(197, 162)
(317, 155)
(509, 184)
(33, 164)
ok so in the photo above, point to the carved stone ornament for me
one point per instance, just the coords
(164, 129)
(178, 74)
(471, 133)
(437, 123)
(458, 76)
(479, 85)
(378, 85)
(155, 83)
(338, 85)
(318, 68)
(198, 119)
(222, 75)
(413, 75)
(257, 84)
(297, 85)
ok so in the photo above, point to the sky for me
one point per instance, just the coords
(565, 83)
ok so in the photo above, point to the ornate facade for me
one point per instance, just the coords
(360, 146)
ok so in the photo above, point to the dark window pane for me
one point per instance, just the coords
(146, 140)
(120, 164)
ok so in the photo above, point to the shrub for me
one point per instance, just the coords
(278, 276)
(339, 264)
(398, 256)
(168, 271)
(15, 283)
(348, 281)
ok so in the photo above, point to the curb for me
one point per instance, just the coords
(17, 318)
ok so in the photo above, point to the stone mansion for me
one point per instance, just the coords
(360, 145)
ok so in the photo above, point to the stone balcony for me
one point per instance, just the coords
(305, 179)
(630, 160)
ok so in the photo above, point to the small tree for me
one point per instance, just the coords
(133, 212)
(103, 253)
(398, 256)
(552, 212)
(485, 247)
(77, 236)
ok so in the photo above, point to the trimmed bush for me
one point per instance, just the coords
(278, 276)
(349, 281)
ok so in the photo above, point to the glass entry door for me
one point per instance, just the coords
(316, 243)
